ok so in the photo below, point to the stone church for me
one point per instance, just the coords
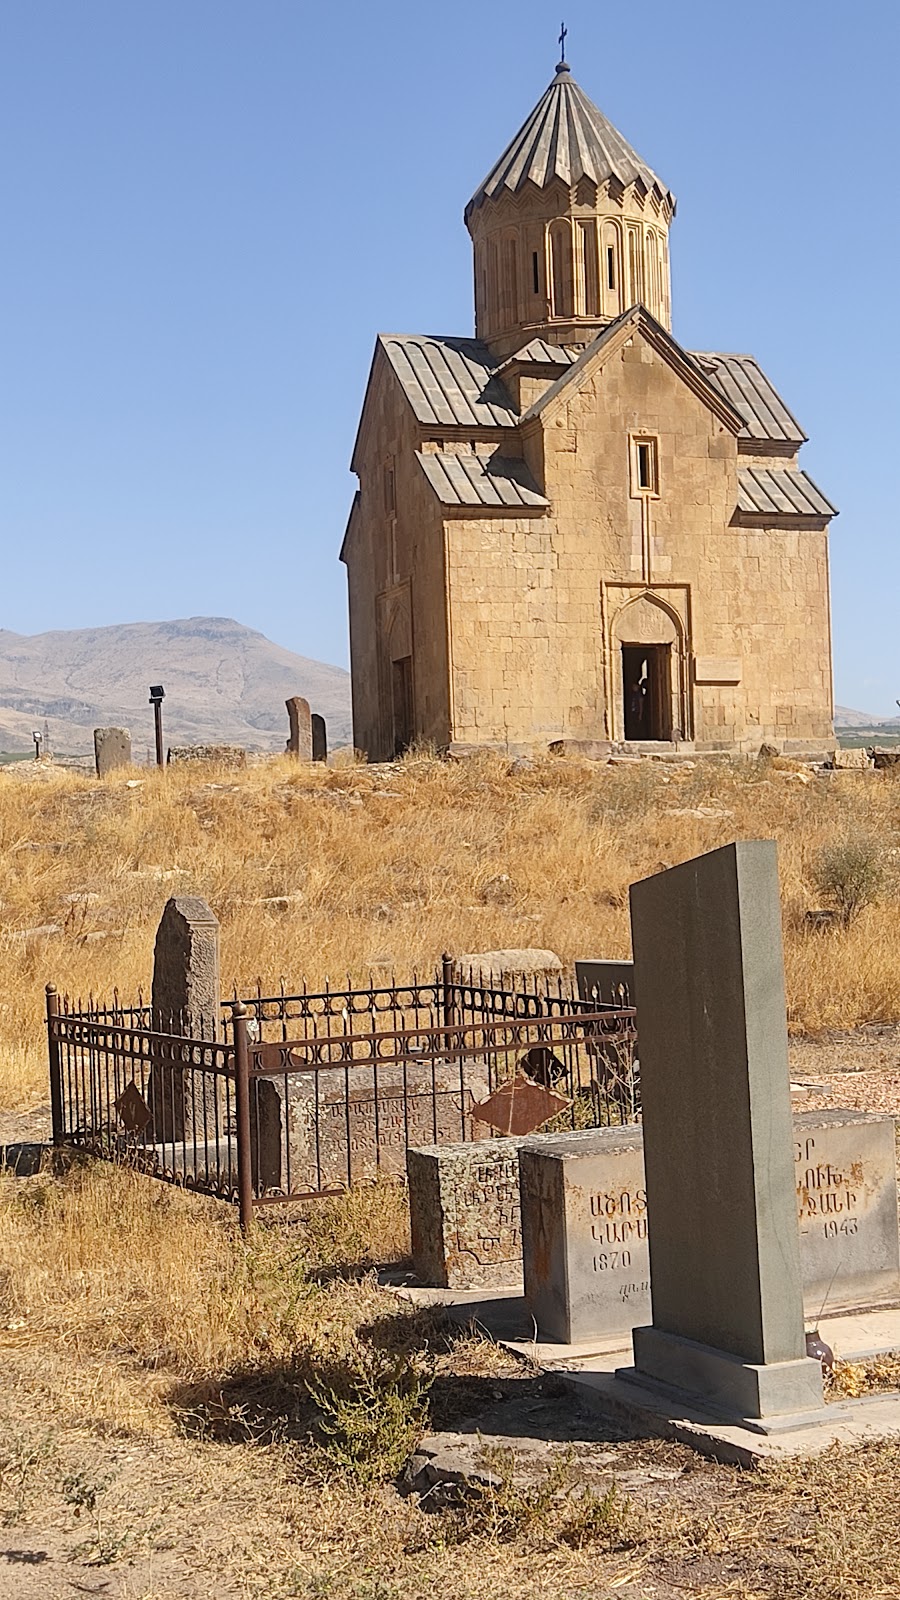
(569, 527)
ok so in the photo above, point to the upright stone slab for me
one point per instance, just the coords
(185, 1000)
(584, 1233)
(300, 737)
(319, 737)
(718, 1148)
(610, 982)
(112, 749)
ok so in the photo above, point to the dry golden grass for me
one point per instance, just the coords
(141, 1336)
(378, 868)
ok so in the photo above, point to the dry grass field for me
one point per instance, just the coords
(184, 1413)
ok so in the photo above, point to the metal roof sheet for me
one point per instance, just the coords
(780, 491)
(450, 381)
(743, 382)
(566, 136)
(478, 480)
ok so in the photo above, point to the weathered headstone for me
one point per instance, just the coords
(718, 1145)
(492, 966)
(299, 742)
(185, 1001)
(330, 1127)
(319, 734)
(584, 1233)
(112, 749)
(846, 1199)
(464, 1212)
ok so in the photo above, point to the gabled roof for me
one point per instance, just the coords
(780, 492)
(743, 382)
(639, 318)
(566, 137)
(450, 381)
(478, 480)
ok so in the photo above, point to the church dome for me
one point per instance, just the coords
(567, 137)
(570, 228)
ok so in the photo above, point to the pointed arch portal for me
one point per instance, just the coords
(647, 677)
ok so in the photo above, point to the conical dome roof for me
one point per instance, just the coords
(566, 137)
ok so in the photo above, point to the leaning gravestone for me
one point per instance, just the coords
(319, 735)
(300, 739)
(726, 1292)
(185, 1001)
(112, 749)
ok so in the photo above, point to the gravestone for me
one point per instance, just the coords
(112, 749)
(319, 735)
(300, 737)
(464, 1212)
(329, 1127)
(727, 1301)
(610, 982)
(580, 1192)
(584, 1233)
(185, 1001)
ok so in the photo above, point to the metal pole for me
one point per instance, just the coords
(157, 718)
(239, 1018)
(56, 1094)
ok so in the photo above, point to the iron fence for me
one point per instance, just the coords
(310, 1093)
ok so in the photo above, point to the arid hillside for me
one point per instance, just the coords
(224, 684)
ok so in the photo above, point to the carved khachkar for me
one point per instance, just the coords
(300, 739)
(185, 1002)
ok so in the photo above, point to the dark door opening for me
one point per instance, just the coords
(647, 684)
(402, 703)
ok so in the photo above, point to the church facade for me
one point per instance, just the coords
(568, 527)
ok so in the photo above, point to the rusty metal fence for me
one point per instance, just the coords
(311, 1093)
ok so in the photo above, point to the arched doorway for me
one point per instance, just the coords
(647, 671)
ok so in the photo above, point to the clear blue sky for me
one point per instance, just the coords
(210, 207)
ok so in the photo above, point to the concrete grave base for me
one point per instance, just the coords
(741, 1390)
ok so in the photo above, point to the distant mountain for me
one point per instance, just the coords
(224, 683)
(845, 718)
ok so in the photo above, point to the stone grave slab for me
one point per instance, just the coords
(328, 1128)
(112, 750)
(319, 737)
(300, 737)
(184, 1001)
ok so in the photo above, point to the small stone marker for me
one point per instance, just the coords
(112, 749)
(300, 737)
(319, 737)
(464, 1214)
(185, 1000)
(584, 1233)
(727, 1300)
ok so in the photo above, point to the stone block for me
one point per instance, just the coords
(112, 749)
(846, 1175)
(584, 1233)
(852, 761)
(329, 1128)
(219, 755)
(464, 1214)
(492, 965)
(587, 749)
(319, 736)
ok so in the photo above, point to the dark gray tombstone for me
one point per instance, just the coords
(718, 1145)
(319, 738)
(112, 749)
(610, 982)
(300, 737)
(185, 1001)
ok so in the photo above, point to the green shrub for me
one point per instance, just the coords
(849, 873)
(371, 1412)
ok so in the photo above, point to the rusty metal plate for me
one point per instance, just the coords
(132, 1109)
(519, 1106)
